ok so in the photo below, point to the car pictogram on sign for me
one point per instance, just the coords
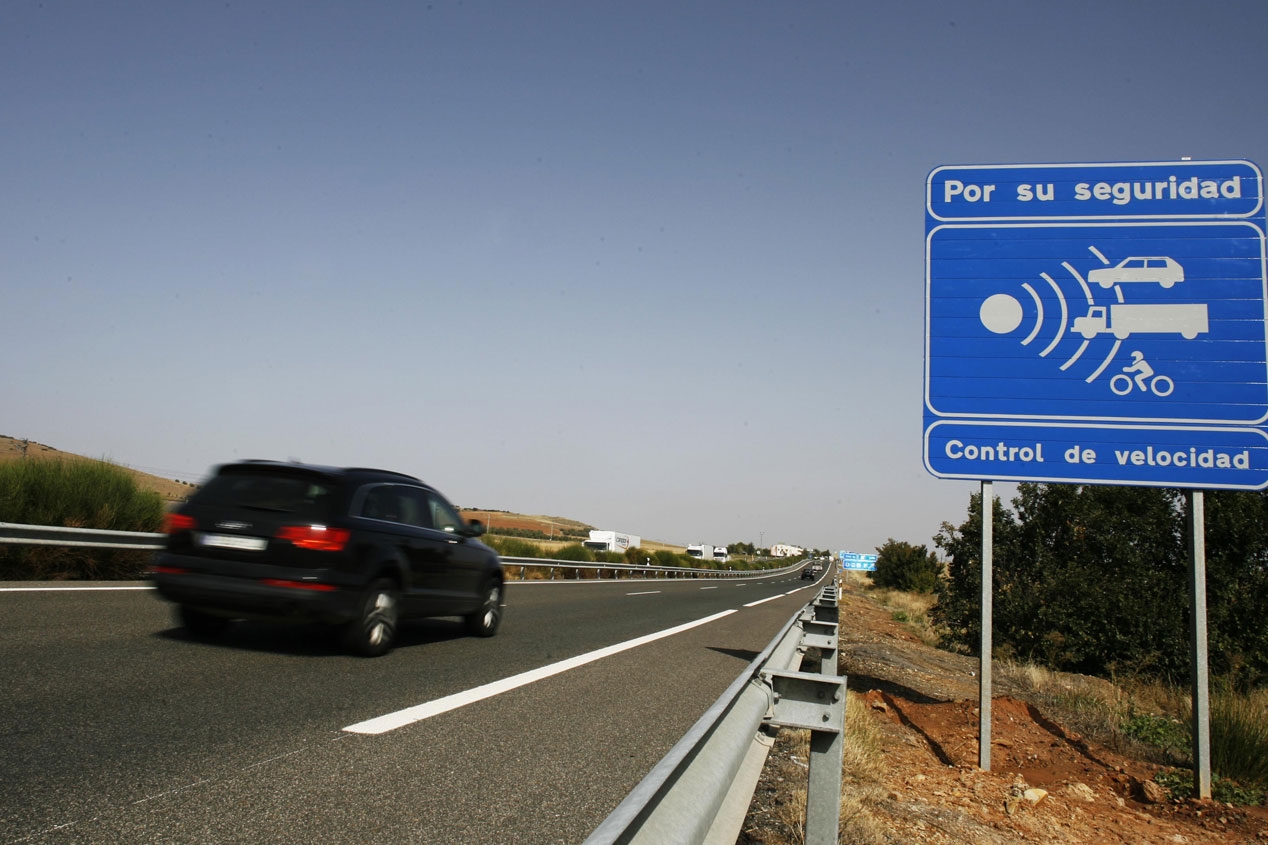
(1161, 270)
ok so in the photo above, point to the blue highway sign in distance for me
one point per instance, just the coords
(854, 560)
(1097, 323)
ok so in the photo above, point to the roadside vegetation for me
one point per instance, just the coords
(1093, 581)
(74, 494)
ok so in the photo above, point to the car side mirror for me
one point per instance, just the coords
(473, 528)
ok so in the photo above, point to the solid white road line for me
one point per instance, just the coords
(401, 718)
(762, 601)
(64, 589)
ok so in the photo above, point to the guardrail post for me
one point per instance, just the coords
(815, 703)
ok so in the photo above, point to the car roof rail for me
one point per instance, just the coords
(377, 471)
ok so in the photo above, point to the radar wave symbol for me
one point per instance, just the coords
(1003, 313)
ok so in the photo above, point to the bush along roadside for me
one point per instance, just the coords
(74, 494)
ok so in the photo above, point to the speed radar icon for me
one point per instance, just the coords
(1001, 313)
(1004, 314)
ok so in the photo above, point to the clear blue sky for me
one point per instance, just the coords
(655, 266)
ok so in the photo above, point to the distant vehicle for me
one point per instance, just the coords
(810, 571)
(1123, 320)
(611, 541)
(1163, 271)
(360, 549)
(701, 551)
(720, 554)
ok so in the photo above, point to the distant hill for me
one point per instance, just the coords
(552, 528)
(14, 449)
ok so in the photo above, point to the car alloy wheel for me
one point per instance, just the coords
(373, 632)
(485, 620)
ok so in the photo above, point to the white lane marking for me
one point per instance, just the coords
(64, 589)
(762, 601)
(401, 718)
(708, 588)
(172, 791)
(647, 593)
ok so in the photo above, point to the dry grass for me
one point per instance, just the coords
(861, 782)
(911, 609)
(1089, 706)
(861, 777)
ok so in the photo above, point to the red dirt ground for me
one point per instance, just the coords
(924, 703)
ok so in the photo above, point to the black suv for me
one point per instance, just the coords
(357, 548)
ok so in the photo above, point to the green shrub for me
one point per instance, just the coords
(573, 552)
(903, 566)
(1239, 736)
(74, 494)
(636, 556)
(664, 557)
(513, 547)
(1179, 783)
(1167, 734)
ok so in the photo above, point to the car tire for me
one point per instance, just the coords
(199, 624)
(373, 632)
(484, 621)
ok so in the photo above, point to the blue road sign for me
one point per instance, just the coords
(856, 561)
(1097, 323)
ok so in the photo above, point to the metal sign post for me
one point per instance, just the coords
(988, 609)
(1199, 674)
(1099, 323)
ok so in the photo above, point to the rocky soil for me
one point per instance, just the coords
(1046, 783)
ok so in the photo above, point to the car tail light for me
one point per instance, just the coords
(318, 538)
(174, 523)
(168, 570)
(298, 585)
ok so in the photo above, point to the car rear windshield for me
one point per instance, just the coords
(298, 495)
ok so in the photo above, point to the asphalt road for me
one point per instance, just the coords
(114, 727)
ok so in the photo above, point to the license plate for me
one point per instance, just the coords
(228, 541)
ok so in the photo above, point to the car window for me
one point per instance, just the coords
(290, 494)
(415, 509)
(396, 503)
(379, 502)
(443, 515)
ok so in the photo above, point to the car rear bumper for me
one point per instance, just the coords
(257, 592)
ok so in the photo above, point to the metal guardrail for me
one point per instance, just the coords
(700, 791)
(51, 535)
(640, 570)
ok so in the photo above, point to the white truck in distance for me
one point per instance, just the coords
(1187, 320)
(701, 551)
(611, 541)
